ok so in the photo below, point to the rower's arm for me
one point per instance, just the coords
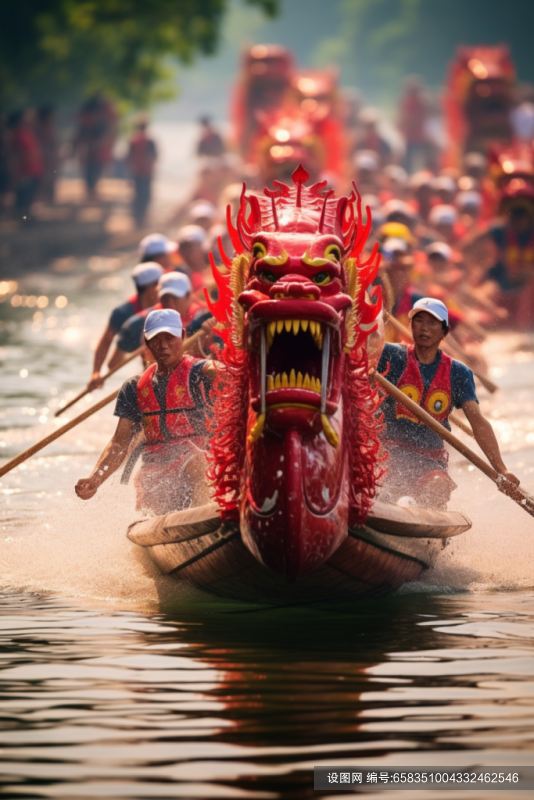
(101, 352)
(112, 457)
(117, 357)
(486, 439)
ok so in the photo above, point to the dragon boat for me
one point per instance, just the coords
(295, 457)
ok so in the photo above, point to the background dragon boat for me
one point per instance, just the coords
(478, 100)
(295, 455)
(283, 116)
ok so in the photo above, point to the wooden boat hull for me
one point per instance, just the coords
(394, 548)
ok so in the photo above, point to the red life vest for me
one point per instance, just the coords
(178, 402)
(437, 400)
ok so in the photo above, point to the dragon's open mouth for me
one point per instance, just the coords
(297, 357)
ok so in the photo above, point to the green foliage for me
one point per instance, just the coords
(60, 50)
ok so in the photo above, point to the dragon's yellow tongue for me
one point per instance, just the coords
(256, 431)
(329, 432)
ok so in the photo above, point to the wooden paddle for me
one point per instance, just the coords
(503, 485)
(447, 346)
(56, 434)
(85, 391)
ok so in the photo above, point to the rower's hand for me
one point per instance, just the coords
(207, 329)
(511, 477)
(87, 487)
(96, 382)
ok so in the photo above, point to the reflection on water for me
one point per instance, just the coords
(115, 683)
(222, 703)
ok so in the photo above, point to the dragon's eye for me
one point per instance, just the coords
(321, 278)
(270, 277)
(332, 253)
(259, 250)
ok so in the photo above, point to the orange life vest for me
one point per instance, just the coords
(178, 401)
(437, 400)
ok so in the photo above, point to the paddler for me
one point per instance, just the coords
(511, 276)
(418, 462)
(173, 291)
(145, 277)
(165, 409)
(157, 247)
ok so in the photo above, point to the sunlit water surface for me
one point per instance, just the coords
(118, 683)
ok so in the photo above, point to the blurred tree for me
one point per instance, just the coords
(60, 50)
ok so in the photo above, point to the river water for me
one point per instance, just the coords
(118, 683)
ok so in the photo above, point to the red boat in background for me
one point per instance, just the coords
(478, 101)
(284, 117)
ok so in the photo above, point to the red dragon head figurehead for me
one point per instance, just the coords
(295, 447)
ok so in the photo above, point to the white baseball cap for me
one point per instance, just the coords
(469, 199)
(366, 159)
(439, 249)
(431, 306)
(175, 283)
(395, 206)
(443, 215)
(146, 273)
(203, 210)
(394, 245)
(444, 183)
(163, 320)
(156, 244)
(191, 234)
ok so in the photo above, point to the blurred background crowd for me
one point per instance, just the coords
(446, 166)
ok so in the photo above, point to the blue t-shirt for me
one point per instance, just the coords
(403, 431)
(120, 314)
(131, 333)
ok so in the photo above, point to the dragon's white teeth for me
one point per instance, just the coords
(294, 381)
(315, 328)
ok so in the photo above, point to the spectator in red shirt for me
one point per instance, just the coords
(95, 137)
(26, 161)
(142, 156)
